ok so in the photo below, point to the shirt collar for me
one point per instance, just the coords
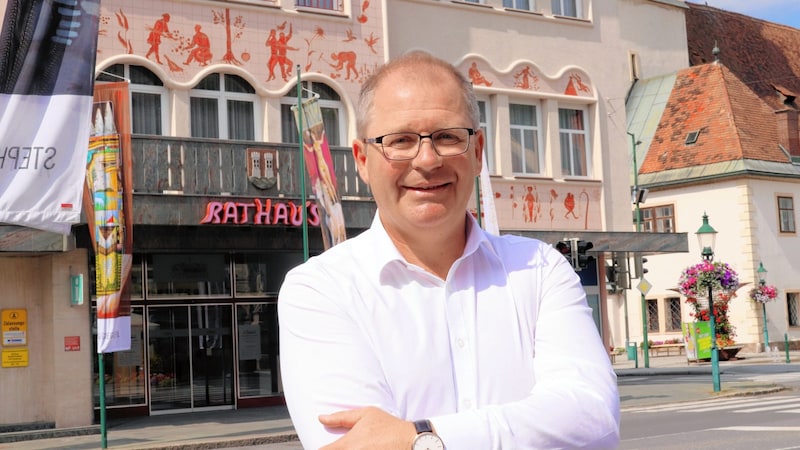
(386, 252)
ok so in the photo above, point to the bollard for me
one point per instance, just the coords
(786, 346)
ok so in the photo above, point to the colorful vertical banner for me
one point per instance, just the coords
(47, 55)
(107, 202)
(319, 167)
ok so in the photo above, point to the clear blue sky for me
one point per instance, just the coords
(786, 12)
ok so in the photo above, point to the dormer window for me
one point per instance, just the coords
(691, 138)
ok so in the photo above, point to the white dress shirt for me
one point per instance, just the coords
(503, 354)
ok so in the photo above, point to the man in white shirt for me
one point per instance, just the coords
(425, 331)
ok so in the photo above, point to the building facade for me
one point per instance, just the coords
(216, 185)
(721, 138)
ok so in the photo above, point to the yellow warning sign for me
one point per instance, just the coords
(15, 358)
(14, 326)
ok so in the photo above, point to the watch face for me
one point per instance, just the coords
(428, 441)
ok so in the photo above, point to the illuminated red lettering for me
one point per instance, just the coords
(212, 212)
(229, 213)
(280, 213)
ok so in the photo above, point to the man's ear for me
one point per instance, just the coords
(479, 146)
(360, 156)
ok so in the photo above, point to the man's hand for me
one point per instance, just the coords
(370, 428)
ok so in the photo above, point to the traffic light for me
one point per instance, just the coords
(582, 260)
(565, 248)
(617, 278)
(638, 264)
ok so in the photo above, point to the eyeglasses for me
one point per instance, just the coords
(404, 146)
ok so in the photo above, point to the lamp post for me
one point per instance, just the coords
(706, 236)
(762, 280)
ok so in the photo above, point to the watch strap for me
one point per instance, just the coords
(423, 426)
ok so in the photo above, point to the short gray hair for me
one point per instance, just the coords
(413, 59)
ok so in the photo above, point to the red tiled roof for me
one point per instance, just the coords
(733, 123)
(762, 54)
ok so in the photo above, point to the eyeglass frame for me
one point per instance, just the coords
(379, 140)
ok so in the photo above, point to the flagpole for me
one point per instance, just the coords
(302, 165)
(101, 371)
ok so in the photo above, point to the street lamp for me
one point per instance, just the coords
(762, 280)
(706, 237)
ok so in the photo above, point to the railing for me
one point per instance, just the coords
(213, 167)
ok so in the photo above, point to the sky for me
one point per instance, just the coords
(786, 12)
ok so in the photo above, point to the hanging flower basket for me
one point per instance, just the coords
(694, 280)
(764, 293)
(724, 281)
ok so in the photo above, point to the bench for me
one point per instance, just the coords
(657, 350)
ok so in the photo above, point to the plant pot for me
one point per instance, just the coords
(728, 353)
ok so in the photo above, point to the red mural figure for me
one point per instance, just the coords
(363, 17)
(344, 61)
(371, 41)
(530, 205)
(233, 31)
(160, 28)
(319, 32)
(200, 48)
(569, 204)
(476, 77)
(278, 43)
(513, 202)
(526, 79)
(575, 79)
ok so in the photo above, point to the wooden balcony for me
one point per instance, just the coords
(175, 178)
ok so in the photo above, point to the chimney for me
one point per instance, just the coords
(789, 130)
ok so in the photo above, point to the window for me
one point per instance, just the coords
(257, 326)
(573, 139)
(652, 315)
(568, 8)
(332, 5)
(330, 104)
(793, 309)
(786, 214)
(262, 274)
(222, 106)
(673, 314)
(483, 106)
(148, 97)
(659, 219)
(634, 65)
(526, 158)
(187, 275)
(517, 4)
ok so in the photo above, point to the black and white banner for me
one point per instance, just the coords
(47, 56)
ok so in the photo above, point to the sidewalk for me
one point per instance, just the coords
(257, 426)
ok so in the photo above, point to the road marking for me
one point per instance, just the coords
(762, 406)
(750, 428)
(712, 402)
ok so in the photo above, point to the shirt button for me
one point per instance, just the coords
(460, 343)
(467, 404)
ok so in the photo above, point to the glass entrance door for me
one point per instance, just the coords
(191, 357)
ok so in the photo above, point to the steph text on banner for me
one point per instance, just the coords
(47, 55)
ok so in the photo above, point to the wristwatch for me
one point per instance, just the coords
(426, 439)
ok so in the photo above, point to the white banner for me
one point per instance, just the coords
(45, 110)
(488, 209)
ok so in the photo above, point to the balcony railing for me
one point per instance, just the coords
(207, 167)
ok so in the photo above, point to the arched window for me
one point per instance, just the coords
(223, 106)
(332, 112)
(147, 94)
